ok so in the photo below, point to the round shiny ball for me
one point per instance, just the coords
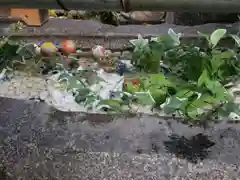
(98, 51)
(48, 49)
(68, 47)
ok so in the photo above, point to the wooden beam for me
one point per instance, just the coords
(225, 6)
(228, 6)
(32, 17)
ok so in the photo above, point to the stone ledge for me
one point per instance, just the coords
(88, 32)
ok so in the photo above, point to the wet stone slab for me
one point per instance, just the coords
(37, 143)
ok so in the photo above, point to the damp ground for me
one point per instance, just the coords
(39, 142)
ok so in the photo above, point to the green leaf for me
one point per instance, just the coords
(173, 105)
(220, 59)
(64, 75)
(81, 95)
(227, 109)
(112, 104)
(145, 98)
(184, 94)
(27, 51)
(8, 53)
(193, 112)
(141, 56)
(174, 36)
(157, 80)
(74, 84)
(204, 35)
(216, 36)
(236, 39)
(140, 42)
(90, 100)
(205, 101)
(166, 42)
(201, 105)
(203, 78)
(159, 95)
(234, 116)
(232, 111)
(218, 90)
(215, 87)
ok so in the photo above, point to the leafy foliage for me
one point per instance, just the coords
(188, 79)
(8, 51)
(195, 85)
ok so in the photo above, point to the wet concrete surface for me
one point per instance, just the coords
(38, 142)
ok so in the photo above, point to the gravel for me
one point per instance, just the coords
(23, 86)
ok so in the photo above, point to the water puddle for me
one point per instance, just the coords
(192, 149)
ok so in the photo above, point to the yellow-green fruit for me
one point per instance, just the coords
(48, 49)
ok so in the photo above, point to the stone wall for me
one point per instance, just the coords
(191, 19)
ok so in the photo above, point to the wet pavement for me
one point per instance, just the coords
(37, 143)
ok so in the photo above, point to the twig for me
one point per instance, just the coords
(90, 54)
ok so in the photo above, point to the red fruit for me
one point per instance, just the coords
(68, 47)
(135, 82)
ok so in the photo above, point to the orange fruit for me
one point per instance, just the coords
(68, 47)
